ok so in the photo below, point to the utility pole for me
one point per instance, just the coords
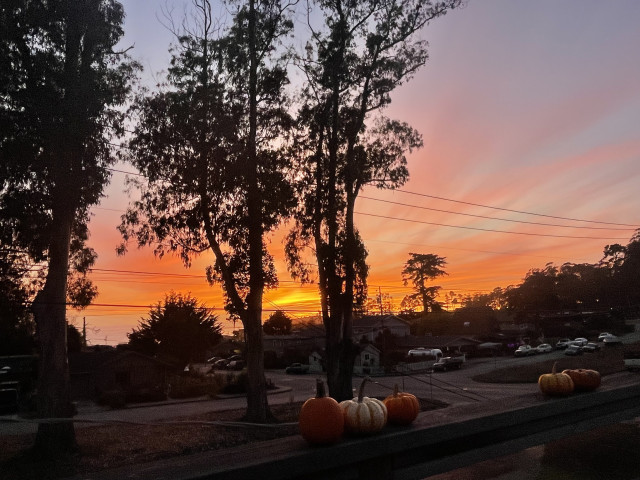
(84, 332)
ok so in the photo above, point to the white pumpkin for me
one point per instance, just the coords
(364, 414)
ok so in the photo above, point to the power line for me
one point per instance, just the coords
(152, 305)
(491, 218)
(124, 171)
(461, 249)
(386, 217)
(514, 211)
(160, 274)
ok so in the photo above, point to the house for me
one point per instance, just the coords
(281, 350)
(368, 361)
(283, 344)
(316, 362)
(92, 373)
(370, 326)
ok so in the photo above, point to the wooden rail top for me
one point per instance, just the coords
(438, 441)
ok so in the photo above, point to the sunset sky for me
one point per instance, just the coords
(530, 113)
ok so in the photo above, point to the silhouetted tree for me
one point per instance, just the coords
(178, 330)
(476, 320)
(365, 51)
(409, 304)
(74, 339)
(211, 148)
(60, 83)
(278, 323)
(420, 269)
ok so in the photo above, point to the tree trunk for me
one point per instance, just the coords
(257, 405)
(53, 399)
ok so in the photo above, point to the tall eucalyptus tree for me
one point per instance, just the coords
(61, 84)
(211, 148)
(365, 50)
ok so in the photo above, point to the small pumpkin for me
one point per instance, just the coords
(584, 380)
(402, 407)
(555, 383)
(321, 420)
(364, 414)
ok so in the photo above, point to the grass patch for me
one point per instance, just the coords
(606, 361)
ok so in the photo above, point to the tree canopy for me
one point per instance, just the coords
(420, 269)
(61, 84)
(178, 330)
(351, 64)
(211, 147)
(278, 323)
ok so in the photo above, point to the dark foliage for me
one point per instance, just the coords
(178, 330)
(278, 323)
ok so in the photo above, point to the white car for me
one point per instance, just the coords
(524, 350)
(580, 341)
(602, 335)
(544, 348)
(611, 340)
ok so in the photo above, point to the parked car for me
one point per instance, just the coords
(581, 341)
(448, 363)
(298, 368)
(602, 335)
(544, 348)
(590, 347)
(611, 340)
(524, 350)
(220, 364)
(425, 352)
(235, 365)
(573, 350)
(563, 343)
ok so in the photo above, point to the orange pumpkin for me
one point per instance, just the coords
(402, 407)
(321, 420)
(555, 383)
(584, 380)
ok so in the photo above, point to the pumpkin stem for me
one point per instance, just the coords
(395, 390)
(554, 369)
(320, 393)
(361, 391)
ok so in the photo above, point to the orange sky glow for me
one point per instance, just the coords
(523, 106)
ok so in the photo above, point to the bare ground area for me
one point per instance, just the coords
(107, 446)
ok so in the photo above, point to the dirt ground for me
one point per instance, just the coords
(108, 446)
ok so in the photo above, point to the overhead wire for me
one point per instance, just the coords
(513, 211)
(437, 224)
(492, 218)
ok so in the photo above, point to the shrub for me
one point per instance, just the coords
(115, 399)
(188, 386)
(235, 384)
(146, 395)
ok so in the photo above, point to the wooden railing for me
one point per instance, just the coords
(439, 441)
